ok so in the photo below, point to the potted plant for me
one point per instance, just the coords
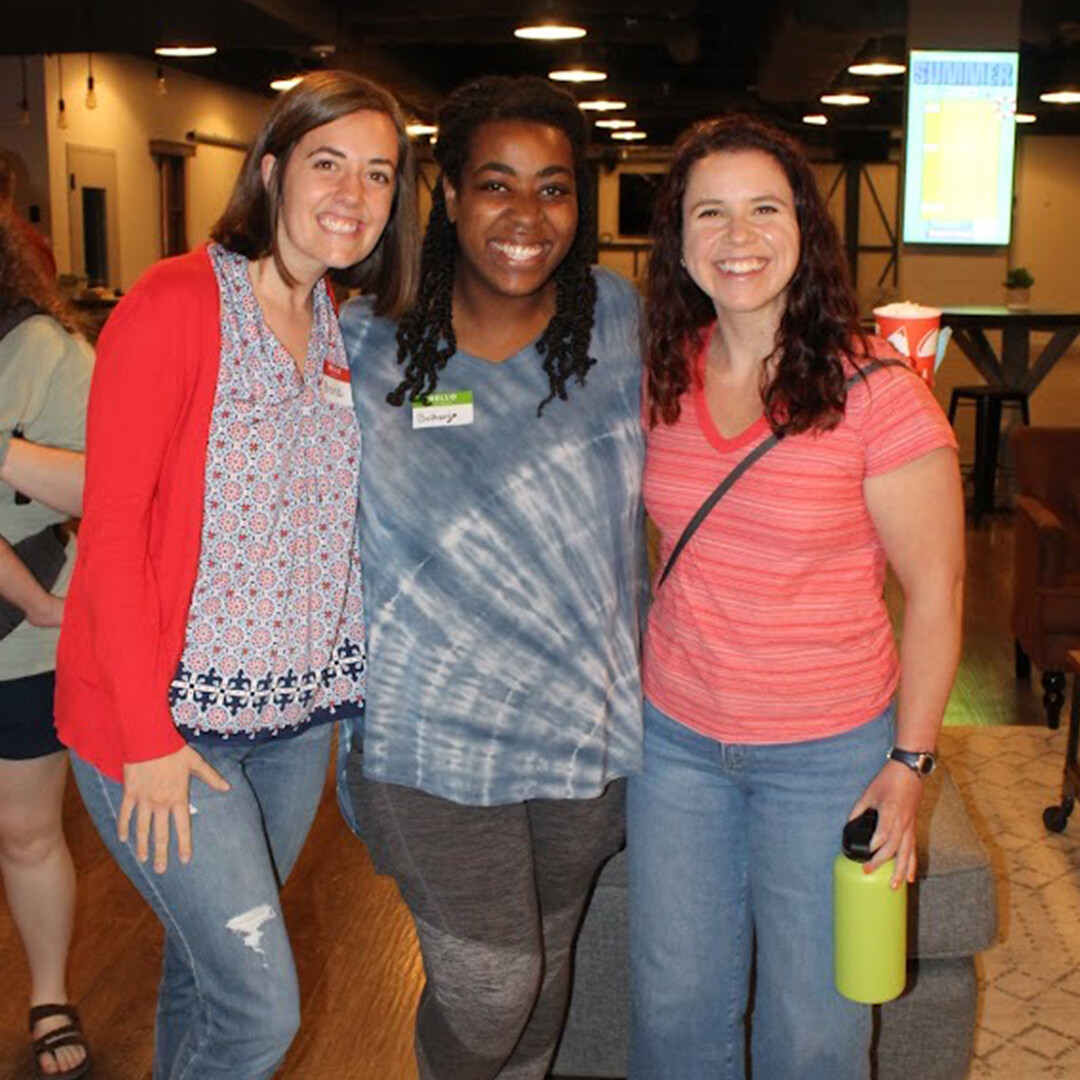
(1018, 282)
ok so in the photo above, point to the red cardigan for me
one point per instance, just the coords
(147, 430)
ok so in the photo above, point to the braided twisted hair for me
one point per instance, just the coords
(425, 336)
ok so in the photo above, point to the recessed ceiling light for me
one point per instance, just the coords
(616, 125)
(844, 99)
(577, 75)
(1025, 118)
(286, 84)
(878, 68)
(602, 105)
(1061, 97)
(416, 130)
(816, 119)
(187, 51)
(629, 136)
(550, 32)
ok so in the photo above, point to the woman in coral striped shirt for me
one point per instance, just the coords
(774, 690)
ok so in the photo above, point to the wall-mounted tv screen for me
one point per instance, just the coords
(959, 146)
(637, 193)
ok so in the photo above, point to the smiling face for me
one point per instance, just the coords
(740, 233)
(337, 193)
(515, 208)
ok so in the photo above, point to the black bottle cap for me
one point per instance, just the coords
(857, 836)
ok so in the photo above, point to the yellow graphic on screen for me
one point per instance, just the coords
(961, 142)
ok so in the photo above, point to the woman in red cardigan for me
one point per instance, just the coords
(214, 623)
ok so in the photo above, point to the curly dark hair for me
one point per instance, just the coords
(819, 326)
(425, 337)
(23, 276)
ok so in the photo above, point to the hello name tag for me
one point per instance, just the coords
(336, 389)
(444, 408)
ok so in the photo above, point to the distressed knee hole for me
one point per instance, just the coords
(249, 926)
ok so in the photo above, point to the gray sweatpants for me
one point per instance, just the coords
(497, 894)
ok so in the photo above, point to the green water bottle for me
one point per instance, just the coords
(870, 920)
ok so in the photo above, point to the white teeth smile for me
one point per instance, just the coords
(519, 252)
(741, 266)
(333, 223)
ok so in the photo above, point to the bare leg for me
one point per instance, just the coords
(39, 880)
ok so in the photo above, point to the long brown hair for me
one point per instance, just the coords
(250, 222)
(819, 326)
(23, 276)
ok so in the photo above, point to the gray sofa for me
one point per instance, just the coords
(926, 1033)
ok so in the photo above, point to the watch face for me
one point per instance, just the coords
(919, 761)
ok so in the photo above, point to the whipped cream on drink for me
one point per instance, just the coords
(905, 309)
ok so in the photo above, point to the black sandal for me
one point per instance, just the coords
(71, 1034)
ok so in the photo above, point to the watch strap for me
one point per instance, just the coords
(921, 762)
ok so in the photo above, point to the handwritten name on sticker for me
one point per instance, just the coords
(335, 384)
(444, 408)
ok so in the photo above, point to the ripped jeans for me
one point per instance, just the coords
(228, 1003)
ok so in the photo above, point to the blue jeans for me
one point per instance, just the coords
(228, 1002)
(728, 844)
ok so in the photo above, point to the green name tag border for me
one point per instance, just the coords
(442, 398)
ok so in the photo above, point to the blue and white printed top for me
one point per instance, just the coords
(504, 567)
(275, 634)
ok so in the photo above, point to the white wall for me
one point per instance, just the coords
(28, 144)
(1046, 225)
(129, 114)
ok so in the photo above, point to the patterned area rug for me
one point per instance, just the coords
(1029, 1007)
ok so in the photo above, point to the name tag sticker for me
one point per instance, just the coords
(444, 408)
(335, 384)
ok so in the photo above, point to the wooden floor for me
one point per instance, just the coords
(359, 969)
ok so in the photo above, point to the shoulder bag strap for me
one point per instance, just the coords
(754, 456)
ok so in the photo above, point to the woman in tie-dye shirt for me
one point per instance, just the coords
(501, 531)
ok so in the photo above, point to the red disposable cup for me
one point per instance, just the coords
(914, 336)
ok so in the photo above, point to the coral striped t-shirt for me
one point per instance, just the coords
(772, 627)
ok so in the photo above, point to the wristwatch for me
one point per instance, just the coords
(920, 762)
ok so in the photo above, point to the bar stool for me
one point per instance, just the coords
(988, 401)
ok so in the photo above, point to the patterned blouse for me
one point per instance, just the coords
(276, 631)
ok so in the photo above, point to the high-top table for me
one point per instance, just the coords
(1014, 368)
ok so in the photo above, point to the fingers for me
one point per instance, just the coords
(123, 820)
(143, 817)
(201, 768)
(182, 820)
(894, 840)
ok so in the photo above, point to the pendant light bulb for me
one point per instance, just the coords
(24, 102)
(91, 96)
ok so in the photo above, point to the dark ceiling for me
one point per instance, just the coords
(673, 60)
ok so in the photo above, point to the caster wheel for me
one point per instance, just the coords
(1055, 818)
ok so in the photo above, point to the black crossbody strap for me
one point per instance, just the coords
(754, 456)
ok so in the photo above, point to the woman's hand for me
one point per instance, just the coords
(50, 612)
(895, 793)
(156, 790)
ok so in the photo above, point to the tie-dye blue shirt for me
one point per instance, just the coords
(503, 567)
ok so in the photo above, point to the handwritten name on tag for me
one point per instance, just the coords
(444, 408)
(335, 384)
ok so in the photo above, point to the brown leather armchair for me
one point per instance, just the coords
(1046, 583)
